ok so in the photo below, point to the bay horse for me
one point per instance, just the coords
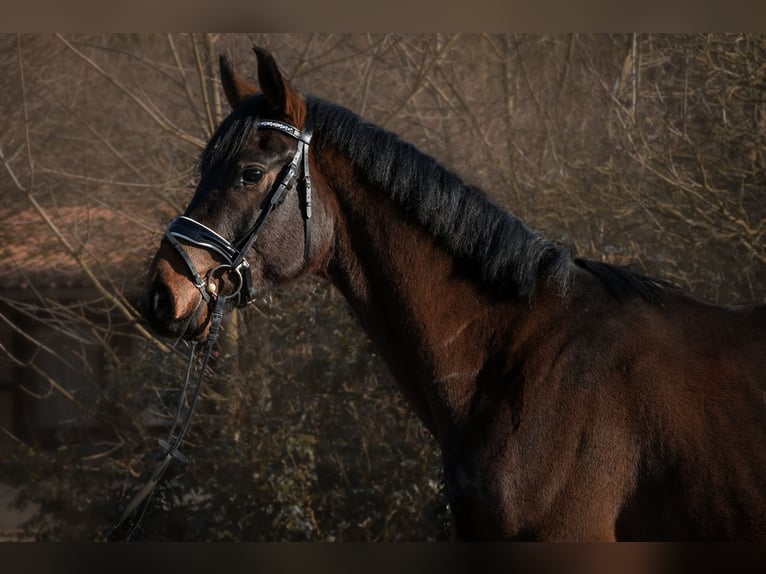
(572, 400)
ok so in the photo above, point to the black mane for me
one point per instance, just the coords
(229, 138)
(485, 239)
(497, 247)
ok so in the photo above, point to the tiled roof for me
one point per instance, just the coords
(111, 243)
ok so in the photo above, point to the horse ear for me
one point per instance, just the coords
(277, 90)
(236, 89)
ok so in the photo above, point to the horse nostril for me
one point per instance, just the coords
(160, 302)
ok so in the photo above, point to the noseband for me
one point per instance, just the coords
(187, 229)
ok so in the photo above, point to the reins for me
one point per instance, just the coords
(170, 446)
(186, 229)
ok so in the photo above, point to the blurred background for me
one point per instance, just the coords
(643, 150)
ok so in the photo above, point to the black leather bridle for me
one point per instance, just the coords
(187, 229)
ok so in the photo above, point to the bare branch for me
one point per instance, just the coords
(423, 72)
(75, 254)
(163, 122)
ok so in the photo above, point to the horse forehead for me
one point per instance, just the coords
(267, 145)
(240, 146)
(262, 144)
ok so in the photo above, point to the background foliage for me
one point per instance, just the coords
(642, 150)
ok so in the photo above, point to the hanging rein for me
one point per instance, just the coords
(188, 230)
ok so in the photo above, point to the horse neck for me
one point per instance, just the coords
(429, 321)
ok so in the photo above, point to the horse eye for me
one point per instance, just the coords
(251, 176)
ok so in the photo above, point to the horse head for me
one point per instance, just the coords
(249, 224)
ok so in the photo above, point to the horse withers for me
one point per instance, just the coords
(572, 400)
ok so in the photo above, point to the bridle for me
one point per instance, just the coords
(186, 229)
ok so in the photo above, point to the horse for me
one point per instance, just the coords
(571, 399)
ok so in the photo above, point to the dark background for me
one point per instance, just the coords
(643, 150)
